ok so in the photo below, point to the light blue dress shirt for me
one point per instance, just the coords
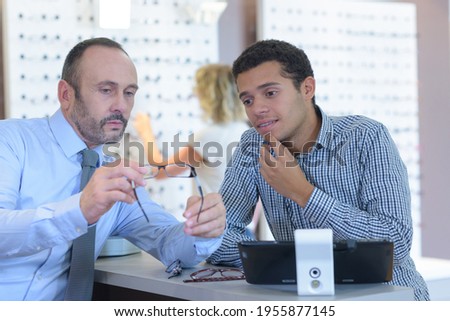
(40, 214)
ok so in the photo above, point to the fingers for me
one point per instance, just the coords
(273, 152)
(126, 168)
(266, 157)
(194, 205)
(122, 188)
(110, 184)
(119, 196)
(122, 179)
(210, 222)
(191, 202)
(270, 145)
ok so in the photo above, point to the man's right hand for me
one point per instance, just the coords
(108, 185)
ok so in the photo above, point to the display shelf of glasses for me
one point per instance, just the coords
(144, 274)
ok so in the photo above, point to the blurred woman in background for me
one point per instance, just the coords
(212, 146)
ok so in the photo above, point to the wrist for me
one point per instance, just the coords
(302, 197)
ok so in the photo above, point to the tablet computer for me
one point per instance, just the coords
(355, 261)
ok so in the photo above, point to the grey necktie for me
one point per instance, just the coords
(81, 271)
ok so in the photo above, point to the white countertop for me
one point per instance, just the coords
(144, 273)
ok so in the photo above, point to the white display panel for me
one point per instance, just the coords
(364, 57)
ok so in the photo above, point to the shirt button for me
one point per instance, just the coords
(78, 230)
(39, 277)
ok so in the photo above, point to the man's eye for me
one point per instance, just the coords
(105, 90)
(271, 93)
(247, 102)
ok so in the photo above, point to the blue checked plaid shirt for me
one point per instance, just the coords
(361, 192)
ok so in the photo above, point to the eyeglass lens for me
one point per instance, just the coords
(179, 170)
(171, 170)
(210, 272)
(210, 275)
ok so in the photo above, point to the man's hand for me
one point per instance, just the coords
(108, 185)
(211, 222)
(283, 173)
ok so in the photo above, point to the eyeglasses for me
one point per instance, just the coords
(179, 170)
(211, 275)
(174, 269)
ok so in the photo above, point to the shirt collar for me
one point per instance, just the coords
(65, 135)
(68, 139)
(326, 131)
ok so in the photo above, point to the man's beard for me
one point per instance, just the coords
(92, 130)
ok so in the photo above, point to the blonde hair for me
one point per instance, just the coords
(216, 91)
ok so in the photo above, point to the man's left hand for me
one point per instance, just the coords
(210, 222)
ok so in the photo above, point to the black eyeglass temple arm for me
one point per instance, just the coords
(200, 190)
(133, 185)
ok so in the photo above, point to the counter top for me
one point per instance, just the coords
(142, 272)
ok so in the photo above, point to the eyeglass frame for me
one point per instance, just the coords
(174, 269)
(192, 173)
(208, 278)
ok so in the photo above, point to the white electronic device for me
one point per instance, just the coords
(118, 246)
(314, 261)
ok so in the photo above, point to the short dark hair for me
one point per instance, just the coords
(294, 62)
(70, 71)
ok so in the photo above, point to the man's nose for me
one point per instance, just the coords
(120, 104)
(260, 106)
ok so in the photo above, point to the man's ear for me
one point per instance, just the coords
(66, 94)
(308, 87)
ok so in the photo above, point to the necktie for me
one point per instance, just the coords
(81, 272)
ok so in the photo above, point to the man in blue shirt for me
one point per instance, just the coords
(311, 170)
(42, 210)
